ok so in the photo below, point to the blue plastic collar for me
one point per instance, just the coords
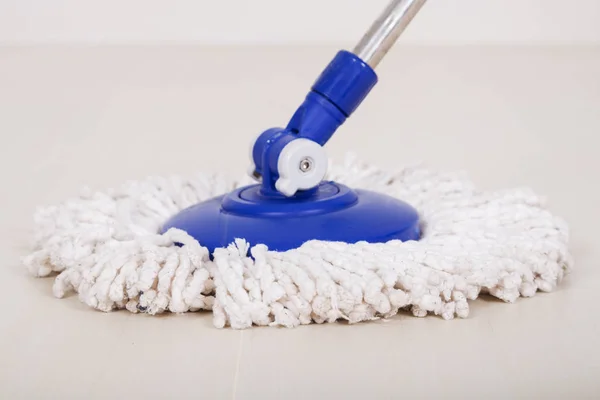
(346, 81)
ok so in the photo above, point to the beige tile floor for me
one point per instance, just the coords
(98, 116)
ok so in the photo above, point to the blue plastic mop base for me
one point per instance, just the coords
(333, 212)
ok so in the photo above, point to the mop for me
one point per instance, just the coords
(300, 239)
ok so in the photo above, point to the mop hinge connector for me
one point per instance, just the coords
(292, 159)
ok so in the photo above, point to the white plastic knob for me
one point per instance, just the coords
(302, 165)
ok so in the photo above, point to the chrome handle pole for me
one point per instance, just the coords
(386, 29)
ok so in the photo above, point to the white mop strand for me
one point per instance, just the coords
(106, 248)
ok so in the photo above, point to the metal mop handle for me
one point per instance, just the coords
(386, 29)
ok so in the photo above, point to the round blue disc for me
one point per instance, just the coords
(333, 212)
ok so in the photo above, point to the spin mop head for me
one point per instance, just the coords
(105, 246)
(295, 249)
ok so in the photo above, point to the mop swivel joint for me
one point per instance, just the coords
(291, 160)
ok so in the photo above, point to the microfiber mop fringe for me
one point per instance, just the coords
(104, 246)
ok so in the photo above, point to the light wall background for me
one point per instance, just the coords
(292, 21)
